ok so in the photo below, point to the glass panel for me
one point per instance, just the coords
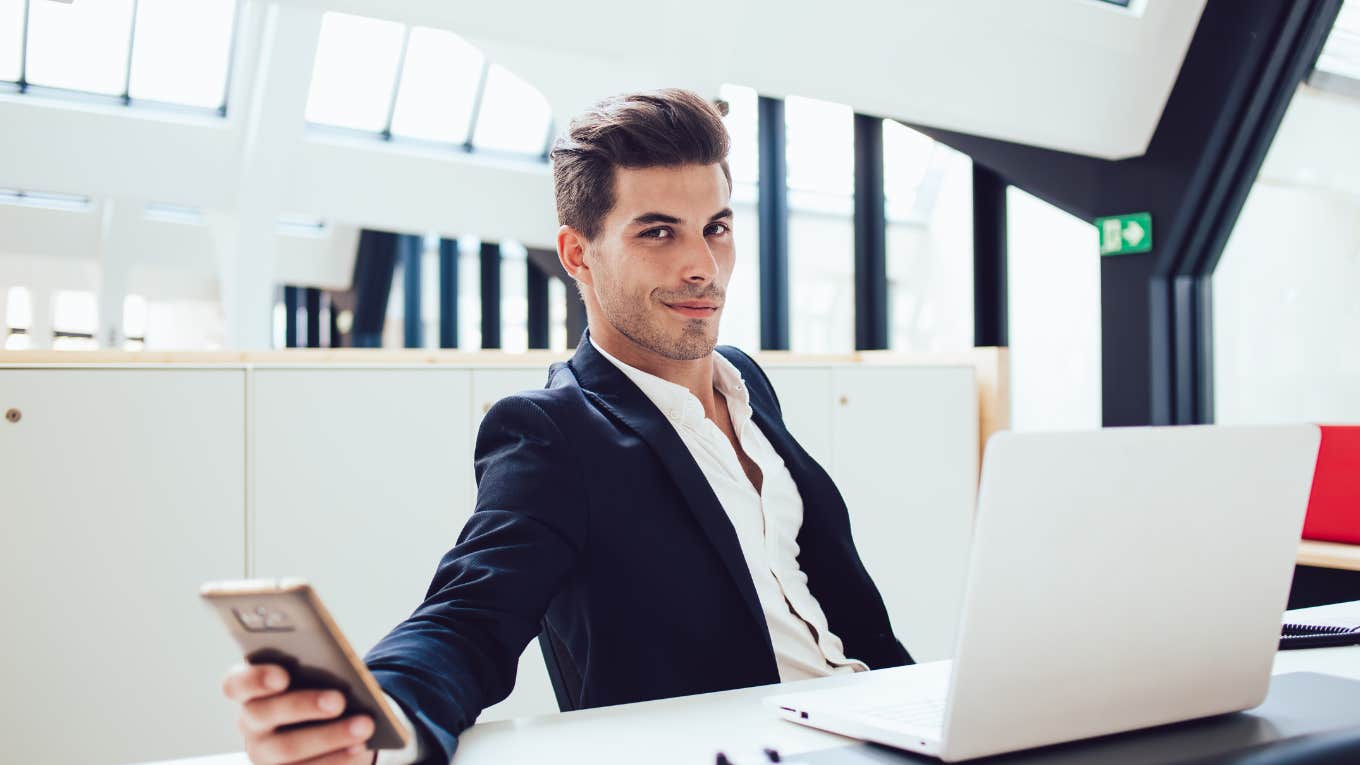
(514, 116)
(744, 158)
(741, 311)
(821, 282)
(821, 146)
(18, 308)
(74, 311)
(930, 256)
(355, 72)
(181, 51)
(557, 313)
(1341, 54)
(438, 86)
(1054, 284)
(469, 292)
(81, 46)
(11, 38)
(907, 158)
(514, 297)
(134, 316)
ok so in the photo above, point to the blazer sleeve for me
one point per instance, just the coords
(458, 652)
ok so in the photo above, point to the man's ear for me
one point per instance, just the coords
(571, 251)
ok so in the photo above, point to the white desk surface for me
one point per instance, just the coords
(690, 730)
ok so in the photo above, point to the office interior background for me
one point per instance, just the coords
(921, 179)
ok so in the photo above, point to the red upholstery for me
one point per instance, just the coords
(1334, 507)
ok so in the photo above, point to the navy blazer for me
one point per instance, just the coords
(593, 518)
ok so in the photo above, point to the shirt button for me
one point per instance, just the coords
(674, 414)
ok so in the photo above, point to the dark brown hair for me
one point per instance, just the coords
(658, 128)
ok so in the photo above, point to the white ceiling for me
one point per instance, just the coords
(1076, 75)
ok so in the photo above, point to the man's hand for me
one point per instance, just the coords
(266, 705)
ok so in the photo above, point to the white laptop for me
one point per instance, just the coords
(1118, 579)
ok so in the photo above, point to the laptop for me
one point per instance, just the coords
(1118, 579)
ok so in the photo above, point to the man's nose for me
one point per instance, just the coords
(700, 264)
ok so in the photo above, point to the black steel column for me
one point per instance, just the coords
(772, 208)
(491, 295)
(412, 249)
(290, 311)
(333, 313)
(1244, 64)
(374, 268)
(536, 289)
(448, 293)
(313, 300)
(871, 231)
(991, 293)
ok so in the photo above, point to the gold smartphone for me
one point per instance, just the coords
(282, 621)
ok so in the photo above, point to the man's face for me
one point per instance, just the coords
(663, 257)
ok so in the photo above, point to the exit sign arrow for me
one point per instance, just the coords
(1125, 234)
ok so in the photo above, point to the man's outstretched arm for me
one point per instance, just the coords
(458, 652)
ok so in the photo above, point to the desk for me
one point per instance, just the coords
(1336, 555)
(691, 729)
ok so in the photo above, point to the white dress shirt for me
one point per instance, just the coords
(766, 524)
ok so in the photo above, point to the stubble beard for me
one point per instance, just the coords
(631, 318)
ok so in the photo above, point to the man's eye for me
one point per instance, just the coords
(719, 228)
(656, 233)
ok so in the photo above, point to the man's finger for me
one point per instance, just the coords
(312, 741)
(361, 756)
(251, 681)
(269, 712)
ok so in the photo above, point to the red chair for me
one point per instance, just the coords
(1334, 505)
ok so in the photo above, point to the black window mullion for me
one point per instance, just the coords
(231, 56)
(127, 68)
(23, 51)
(477, 103)
(396, 84)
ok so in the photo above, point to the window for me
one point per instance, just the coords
(928, 191)
(741, 313)
(438, 88)
(18, 319)
(145, 51)
(821, 180)
(395, 81)
(182, 51)
(355, 71)
(1054, 284)
(75, 320)
(11, 39)
(513, 117)
(1338, 67)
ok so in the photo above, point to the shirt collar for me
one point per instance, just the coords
(677, 403)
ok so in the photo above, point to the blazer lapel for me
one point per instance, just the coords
(612, 391)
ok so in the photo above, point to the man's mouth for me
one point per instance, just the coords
(694, 309)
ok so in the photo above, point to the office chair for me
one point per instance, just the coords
(566, 682)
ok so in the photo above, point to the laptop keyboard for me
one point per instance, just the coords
(925, 714)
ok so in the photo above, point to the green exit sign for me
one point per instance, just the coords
(1125, 234)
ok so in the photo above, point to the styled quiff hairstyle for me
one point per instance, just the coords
(658, 128)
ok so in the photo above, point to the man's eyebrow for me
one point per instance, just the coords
(654, 217)
(657, 217)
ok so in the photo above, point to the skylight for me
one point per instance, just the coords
(163, 51)
(382, 77)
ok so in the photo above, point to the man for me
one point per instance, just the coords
(647, 511)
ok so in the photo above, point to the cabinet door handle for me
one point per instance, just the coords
(14, 415)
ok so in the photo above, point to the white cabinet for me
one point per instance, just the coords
(360, 485)
(806, 400)
(904, 446)
(122, 491)
(533, 694)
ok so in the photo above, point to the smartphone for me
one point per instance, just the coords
(282, 621)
